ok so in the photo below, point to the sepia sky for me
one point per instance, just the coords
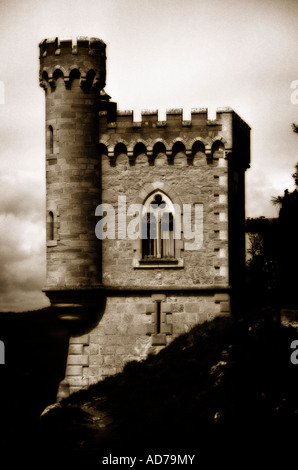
(162, 54)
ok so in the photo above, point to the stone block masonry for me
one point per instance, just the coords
(72, 77)
(133, 297)
(127, 332)
(194, 184)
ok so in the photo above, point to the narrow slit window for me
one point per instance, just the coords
(158, 316)
(51, 139)
(51, 234)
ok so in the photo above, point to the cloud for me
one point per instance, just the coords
(22, 242)
(21, 194)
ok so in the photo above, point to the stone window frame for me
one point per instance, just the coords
(138, 261)
(53, 230)
(50, 139)
(52, 142)
(155, 214)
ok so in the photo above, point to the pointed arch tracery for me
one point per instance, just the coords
(158, 216)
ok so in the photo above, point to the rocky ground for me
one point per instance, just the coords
(225, 391)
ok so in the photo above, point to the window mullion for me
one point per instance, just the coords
(158, 238)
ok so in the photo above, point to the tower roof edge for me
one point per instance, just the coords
(82, 44)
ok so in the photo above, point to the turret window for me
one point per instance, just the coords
(52, 226)
(50, 138)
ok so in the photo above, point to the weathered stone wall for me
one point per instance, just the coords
(73, 188)
(135, 324)
(126, 332)
(199, 182)
(95, 155)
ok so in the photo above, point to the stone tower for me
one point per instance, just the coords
(72, 77)
(145, 219)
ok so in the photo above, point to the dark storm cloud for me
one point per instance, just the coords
(22, 237)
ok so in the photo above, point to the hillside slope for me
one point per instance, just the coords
(225, 389)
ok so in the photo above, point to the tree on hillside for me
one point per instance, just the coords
(272, 274)
(277, 200)
(287, 253)
(295, 175)
(256, 244)
(261, 235)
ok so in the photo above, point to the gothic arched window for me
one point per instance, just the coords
(158, 242)
(50, 226)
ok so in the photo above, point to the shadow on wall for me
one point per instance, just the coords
(36, 347)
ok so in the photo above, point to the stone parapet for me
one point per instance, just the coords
(61, 57)
(228, 135)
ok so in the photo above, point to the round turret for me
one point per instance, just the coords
(72, 76)
(86, 59)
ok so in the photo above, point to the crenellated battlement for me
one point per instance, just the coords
(150, 118)
(199, 116)
(150, 136)
(56, 46)
(85, 59)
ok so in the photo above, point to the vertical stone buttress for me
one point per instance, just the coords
(72, 77)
